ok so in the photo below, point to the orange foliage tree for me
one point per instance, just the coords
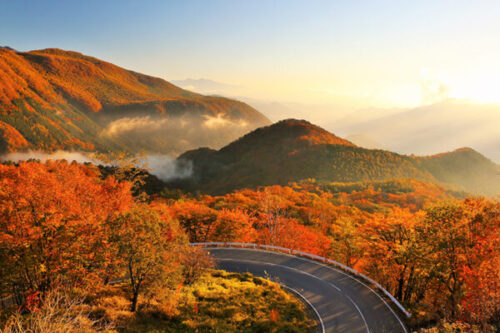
(51, 224)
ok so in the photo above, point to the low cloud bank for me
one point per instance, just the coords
(220, 121)
(128, 124)
(149, 124)
(173, 135)
(167, 168)
(162, 166)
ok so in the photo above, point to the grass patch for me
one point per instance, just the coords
(217, 302)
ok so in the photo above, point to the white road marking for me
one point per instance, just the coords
(359, 310)
(305, 273)
(307, 301)
(329, 267)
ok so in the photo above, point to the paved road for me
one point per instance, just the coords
(343, 303)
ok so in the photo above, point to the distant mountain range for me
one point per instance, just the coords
(430, 129)
(293, 150)
(54, 99)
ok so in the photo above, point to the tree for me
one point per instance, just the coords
(195, 261)
(51, 224)
(197, 219)
(273, 212)
(231, 225)
(462, 238)
(481, 274)
(347, 244)
(394, 255)
(148, 247)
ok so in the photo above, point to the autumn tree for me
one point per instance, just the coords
(232, 226)
(481, 274)
(273, 207)
(148, 246)
(51, 218)
(460, 237)
(195, 261)
(394, 254)
(126, 167)
(346, 240)
(197, 219)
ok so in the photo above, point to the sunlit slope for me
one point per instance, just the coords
(293, 150)
(55, 99)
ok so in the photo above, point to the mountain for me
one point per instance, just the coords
(434, 128)
(54, 99)
(293, 150)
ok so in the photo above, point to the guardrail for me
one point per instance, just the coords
(311, 256)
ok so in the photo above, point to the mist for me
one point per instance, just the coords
(164, 167)
(167, 168)
(160, 134)
(162, 137)
(432, 129)
(220, 121)
(127, 124)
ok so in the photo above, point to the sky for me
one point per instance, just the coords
(358, 53)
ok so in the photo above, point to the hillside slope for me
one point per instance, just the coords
(55, 99)
(293, 150)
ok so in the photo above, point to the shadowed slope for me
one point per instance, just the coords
(293, 150)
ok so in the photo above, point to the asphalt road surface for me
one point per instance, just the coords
(343, 303)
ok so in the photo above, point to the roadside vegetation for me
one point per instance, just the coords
(79, 253)
(217, 302)
(121, 257)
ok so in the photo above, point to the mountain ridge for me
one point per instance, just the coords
(266, 157)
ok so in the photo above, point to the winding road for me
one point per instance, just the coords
(342, 303)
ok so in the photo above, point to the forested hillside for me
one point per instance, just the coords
(293, 150)
(54, 99)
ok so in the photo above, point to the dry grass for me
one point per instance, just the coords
(217, 302)
(58, 314)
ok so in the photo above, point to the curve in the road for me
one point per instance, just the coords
(343, 303)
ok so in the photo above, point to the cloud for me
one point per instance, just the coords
(220, 121)
(433, 88)
(167, 168)
(132, 124)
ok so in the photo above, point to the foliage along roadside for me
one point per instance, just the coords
(438, 255)
(67, 224)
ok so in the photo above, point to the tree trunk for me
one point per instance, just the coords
(135, 296)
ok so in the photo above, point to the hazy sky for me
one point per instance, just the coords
(379, 53)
